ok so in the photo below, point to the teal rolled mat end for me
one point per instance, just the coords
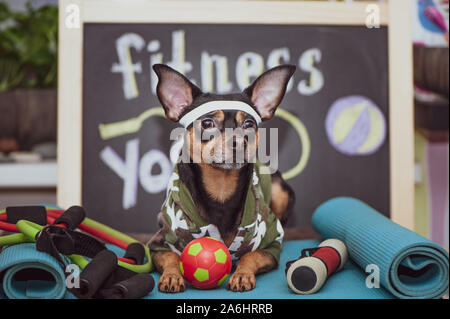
(410, 266)
(26, 273)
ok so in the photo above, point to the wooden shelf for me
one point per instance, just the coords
(28, 175)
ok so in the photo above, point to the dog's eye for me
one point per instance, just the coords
(248, 124)
(207, 123)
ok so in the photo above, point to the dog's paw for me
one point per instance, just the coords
(242, 281)
(171, 282)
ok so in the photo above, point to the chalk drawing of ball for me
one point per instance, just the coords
(355, 125)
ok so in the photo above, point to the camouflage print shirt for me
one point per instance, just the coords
(180, 221)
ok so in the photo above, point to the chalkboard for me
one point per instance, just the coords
(337, 103)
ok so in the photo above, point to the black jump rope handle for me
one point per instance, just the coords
(97, 280)
(95, 274)
(72, 217)
(35, 214)
(136, 252)
(135, 287)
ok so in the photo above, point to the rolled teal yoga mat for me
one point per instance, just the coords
(26, 273)
(410, 265)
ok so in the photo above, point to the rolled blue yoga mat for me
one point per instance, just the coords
(410, 265)
(26, 273)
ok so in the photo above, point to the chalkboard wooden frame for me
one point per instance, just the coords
(394, 14)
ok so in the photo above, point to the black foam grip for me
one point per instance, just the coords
(134, 287)
(118, 275)
(95, 274)
(72, 217)
(53, 239)
(35, 214)
(136, 252)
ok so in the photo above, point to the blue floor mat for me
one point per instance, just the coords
(370, 237)
(349, 283)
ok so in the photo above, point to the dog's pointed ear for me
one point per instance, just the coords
(268, 89)
(175, 92)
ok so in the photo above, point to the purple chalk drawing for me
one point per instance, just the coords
(355, 126)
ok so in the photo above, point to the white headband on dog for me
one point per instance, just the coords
(217, 105)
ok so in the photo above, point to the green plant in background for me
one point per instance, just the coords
(28, 47)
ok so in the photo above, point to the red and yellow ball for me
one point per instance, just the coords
(205, 263)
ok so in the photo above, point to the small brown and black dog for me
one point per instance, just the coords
(218, 186)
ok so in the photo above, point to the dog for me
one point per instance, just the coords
(219, 196)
